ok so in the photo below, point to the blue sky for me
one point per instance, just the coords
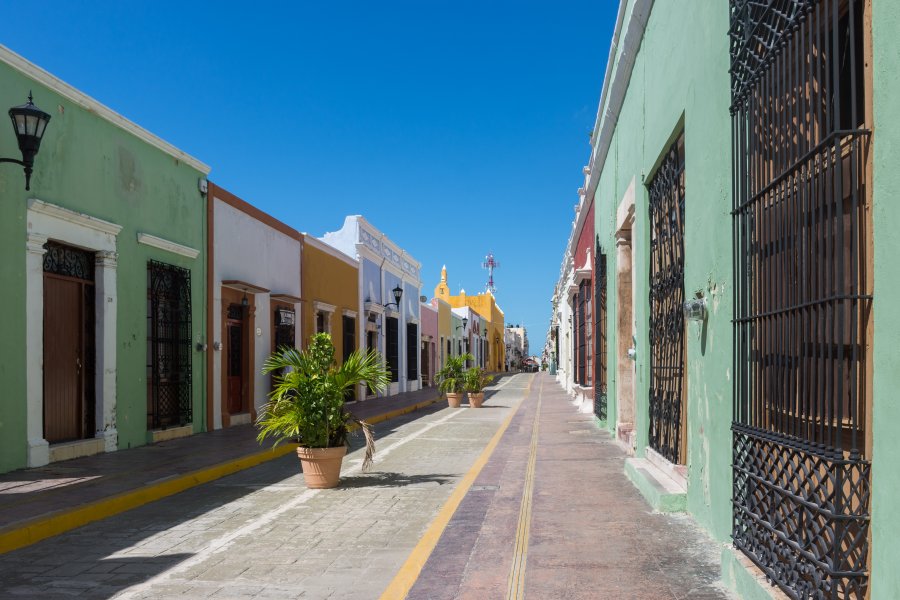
(455, 127)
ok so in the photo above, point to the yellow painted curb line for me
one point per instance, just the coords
(409, 572)
(43, 527)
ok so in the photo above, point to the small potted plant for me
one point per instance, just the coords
(451, 378)
(307, 405)
(476, 379)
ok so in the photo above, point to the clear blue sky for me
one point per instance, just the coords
(456, 127)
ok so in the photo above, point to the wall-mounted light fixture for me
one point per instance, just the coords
(465, 322)
(398, 294)
(29, 123)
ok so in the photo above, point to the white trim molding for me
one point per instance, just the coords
(349, 313)
(167, 245)
(324, 307)
(70, 216)
(58, 86)
(48, 221)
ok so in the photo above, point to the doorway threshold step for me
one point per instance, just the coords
(661, 491)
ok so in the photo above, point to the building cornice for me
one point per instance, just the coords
(58, 86)
(167, 245)
(70, 216)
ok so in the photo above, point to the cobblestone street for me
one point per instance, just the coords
(261, 533)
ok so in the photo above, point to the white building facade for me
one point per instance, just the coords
(386, 272)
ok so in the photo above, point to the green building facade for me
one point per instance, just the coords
(103, 268)
(750, 176)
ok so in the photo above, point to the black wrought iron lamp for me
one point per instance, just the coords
(29, 123)
(465, 322)
(398, 295)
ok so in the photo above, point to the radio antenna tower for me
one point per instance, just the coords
(490, 264)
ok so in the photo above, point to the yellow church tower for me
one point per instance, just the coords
(442, 291)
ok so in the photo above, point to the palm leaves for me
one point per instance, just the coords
(451, 377)
(307, 403)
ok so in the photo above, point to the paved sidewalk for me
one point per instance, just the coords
(35, 503)
(262, 534)
(552, 516)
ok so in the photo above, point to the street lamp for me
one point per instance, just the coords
(29, 124)
(398, 294)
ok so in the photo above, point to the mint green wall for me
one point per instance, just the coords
(885, 528)
(91, 166)
(680, 82)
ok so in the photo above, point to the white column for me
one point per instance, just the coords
(106, 302)
(38, 448)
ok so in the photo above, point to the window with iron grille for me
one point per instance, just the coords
(392, 347)
(667, 208)
(803, 293)
(169, 345)
(587, 292)
(600, 399)
(580, 334)
(412, 343)
(348, 336)
(285, 330)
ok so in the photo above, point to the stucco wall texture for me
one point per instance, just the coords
(90, 165)
(680, 82)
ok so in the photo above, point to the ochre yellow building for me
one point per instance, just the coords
(485, 305)
(330, 284)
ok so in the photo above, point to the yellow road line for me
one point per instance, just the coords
(409, 572)
(43, 527)
(515, 585)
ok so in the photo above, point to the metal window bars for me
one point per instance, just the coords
(600, 376)
(802, 297)
(667, 205)
(169, 346)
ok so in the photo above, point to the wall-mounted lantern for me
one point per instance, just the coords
(29, 123)
(398, 294)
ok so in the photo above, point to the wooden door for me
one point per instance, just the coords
(66, 360)
(234, 328)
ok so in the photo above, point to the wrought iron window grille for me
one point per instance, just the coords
(600, 376)
(802, 298)
(667, 348)
(169, 353)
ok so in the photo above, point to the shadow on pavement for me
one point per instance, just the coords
(389, 479)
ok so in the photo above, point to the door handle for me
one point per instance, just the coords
(78, 363)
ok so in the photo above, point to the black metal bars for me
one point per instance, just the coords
(667, 350)
(802, 293)
(169, 346)
(600, 360)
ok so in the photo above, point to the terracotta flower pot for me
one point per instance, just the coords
(321, 466)
(454, 399)
(476, 400)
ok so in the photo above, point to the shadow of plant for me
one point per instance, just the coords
(389, 479)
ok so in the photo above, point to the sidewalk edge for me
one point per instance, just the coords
(40, 528)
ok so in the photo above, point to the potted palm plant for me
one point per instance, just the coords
(451, 378)
(476, 379)
(307, 405)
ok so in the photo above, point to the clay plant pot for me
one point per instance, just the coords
(476, 400)
(321, 466)
(454, 399)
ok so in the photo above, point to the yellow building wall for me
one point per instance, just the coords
(326, 278)
(444, 331)
(486, 306)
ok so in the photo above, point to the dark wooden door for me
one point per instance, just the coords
(65, 359)
(235, 365)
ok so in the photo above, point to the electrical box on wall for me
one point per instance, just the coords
(695, 309)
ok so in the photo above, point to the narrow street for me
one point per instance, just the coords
(530, 511)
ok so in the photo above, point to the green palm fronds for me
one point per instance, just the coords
(307, 402)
